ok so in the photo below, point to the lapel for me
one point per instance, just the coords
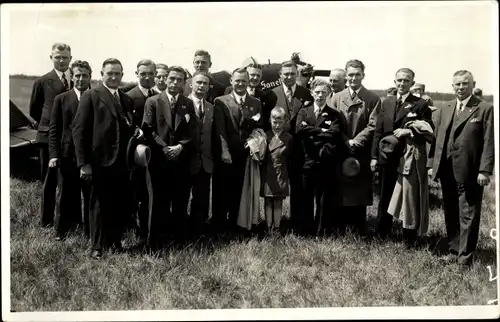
(404, 107)
(178, 116)
(282, 97)
(275, 142)
(469, 110)
(234, 110)
(347, 99)
(107, 99)
(164, 105)
(311, 119)
(55, 82)
(73, 104)
(208, 109)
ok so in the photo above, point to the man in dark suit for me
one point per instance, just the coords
(292, 98)
(145, 73)
(45, 89)
(236, 115)
(392, 118)
(202, 63)
(254, 70)
(167, 126)
(62, 155)
(202, 165)
(463, 161)
(318, 131)
(102, 128)
(359, 109)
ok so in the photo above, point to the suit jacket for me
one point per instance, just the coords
(96, 127)
(216, 89)
(139, 100)
(45, 89)
(472, 136)
(318, 146)
(259, 93)
(388, 122)
(162, 129)
(275, 166)
(301, 97)
(60, 131)
(202, 140)
(233, 126)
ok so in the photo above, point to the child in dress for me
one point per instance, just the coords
(275, 186)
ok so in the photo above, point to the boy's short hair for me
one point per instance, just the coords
(278, 111)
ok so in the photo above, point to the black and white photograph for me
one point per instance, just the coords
(249, 160)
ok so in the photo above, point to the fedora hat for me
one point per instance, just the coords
(387, 145)
(350, 167)
(138, 154)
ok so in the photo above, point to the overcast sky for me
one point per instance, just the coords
(433, 38)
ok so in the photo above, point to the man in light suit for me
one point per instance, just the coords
(463, 161)
(145, 73)
(167, 127)
(62, 155)
(337, 80)
(236, 115)
(201, 158)
(359, 109)
(102, 128)
(392, 118)
(202, 62)
(45, 89)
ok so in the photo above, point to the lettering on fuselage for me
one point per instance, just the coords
(271, 84)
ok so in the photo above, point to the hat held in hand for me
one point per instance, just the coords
(138, 154)
(387, 145)
(350, 167)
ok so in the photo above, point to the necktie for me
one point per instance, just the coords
(65, 81)
(316, 113)
(251, 91)
(398, 105)
(150, 92)
(353, 96)
(289, 94)
(173, 101)
(119, 107)
(200, 110)
(459, 108)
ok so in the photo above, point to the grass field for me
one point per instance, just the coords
(270, 273)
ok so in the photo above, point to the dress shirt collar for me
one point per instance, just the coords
(112, 90)
(320, 108)
(78, 93)
(293, 88)
(403, 97)
(240, 98)
(67, 73)
(144, 90)
(351, 90)
(465, 101)
(170, 96)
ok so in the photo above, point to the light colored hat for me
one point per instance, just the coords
(250, 61)
(142, 155)
(419, 85)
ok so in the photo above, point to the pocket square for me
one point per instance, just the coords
(409, 106)
(475, 120)
(328, 122)
(187, 118)
(411, 114)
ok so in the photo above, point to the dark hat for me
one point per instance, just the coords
(387, 145)
(138, 154)
(350, 167)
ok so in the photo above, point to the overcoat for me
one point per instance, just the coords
(276, 163)
(359, 117)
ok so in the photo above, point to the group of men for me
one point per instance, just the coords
(196, 131)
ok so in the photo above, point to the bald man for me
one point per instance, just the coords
(337, 83)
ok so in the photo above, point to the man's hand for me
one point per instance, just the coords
(399, 133)
(53, 162)
(174, 151)
(86, 172)
(354, 143)
(226, 157)
(483, 179)
(373, 165)
(429, 172)
(138, 133)
(256, 117)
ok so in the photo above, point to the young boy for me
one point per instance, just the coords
(275, 186)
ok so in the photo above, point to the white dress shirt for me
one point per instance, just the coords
(78, 93)
(198, 104)
(112, 90)
(144, 90)
(293, 88)
(403, 98)
(67, 73)
(318, 109)
(351, 90)
(240, 99)
(464, 103)
(170, 97)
